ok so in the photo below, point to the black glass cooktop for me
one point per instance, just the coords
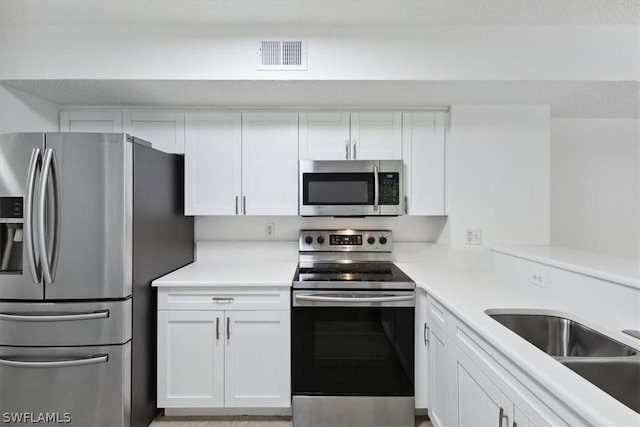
(379, 272)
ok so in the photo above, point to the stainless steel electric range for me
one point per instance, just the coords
(352, 332)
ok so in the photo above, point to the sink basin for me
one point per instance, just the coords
(608, 364)
(618, 378)
(561, 337)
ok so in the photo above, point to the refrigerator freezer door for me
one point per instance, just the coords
(65, 323)
(17, 275)
(74, 386)
(95, 206)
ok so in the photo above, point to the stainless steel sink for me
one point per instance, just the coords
(561, 337)
(618, 378)
(606, 363)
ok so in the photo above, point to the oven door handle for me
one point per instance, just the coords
(364, 300)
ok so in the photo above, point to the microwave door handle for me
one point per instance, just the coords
(376, 188)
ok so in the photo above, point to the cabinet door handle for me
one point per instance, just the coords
(355, 152)
(426, 335)
(217, 328)
(244, 205)
(228, 328)
(346, 150)
(502, 416)
(406, 205)
(515, 424)
(236, 205)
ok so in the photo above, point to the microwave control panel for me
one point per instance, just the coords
(389, 188)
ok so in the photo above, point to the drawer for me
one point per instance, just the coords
(438, 315)
(224, 298)
(65, 323)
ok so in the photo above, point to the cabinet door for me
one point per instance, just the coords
(442, 384)
(421, 379)
(190, 359)
(480, 402)
(213, 163)
(257, 359)
(324, 136)
(270, 163)
(423, 142)
(376, 136)
(163, 129)
(91, 121)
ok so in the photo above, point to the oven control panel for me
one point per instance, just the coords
(345, 241)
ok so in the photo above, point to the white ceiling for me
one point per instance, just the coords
(580, 99)
(322, 12)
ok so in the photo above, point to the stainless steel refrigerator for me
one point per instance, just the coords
(87, 221)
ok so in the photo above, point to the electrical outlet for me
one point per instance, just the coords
(477, 236)
(468, 236)
(270, 230)
(537, 278)
(473, 236)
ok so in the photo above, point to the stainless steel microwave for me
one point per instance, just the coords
(351, 188)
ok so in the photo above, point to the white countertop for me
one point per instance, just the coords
(207, 273)
(468, 295)
(615, 269)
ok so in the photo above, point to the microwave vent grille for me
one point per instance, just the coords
(282, 55)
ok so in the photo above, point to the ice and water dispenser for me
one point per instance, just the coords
(11, 229)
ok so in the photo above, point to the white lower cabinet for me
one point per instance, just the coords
(470, 388)
(442, 390)
(231, 358)
(421, 369)
(190, 359)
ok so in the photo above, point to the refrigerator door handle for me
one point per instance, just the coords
(103, 314)
(98, 358)
(49, 255)
(35, 164)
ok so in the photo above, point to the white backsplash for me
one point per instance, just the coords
(252, 228)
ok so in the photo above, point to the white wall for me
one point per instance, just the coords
(210, 52)
(595, 185)
(251, 228)
(498, 174)
(22, 112)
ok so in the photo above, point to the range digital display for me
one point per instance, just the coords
(345, 240)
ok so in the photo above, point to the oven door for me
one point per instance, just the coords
(350, 188)
(353, 343)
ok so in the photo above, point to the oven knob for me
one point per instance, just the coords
(371, 240)
(383, 240)
(309, 240)
(321, 239)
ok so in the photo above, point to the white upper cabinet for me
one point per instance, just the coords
(324, 136)
(91, 121)
(376, 136)
(423, 140)
(270, 163)
(241, 164)
(163, 129)
(351, 136)
(213, 163)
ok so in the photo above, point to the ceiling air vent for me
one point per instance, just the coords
(283, 55)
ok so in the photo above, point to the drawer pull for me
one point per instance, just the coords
(54, 317)
(221, 300)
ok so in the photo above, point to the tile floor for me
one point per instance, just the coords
(240, 421)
